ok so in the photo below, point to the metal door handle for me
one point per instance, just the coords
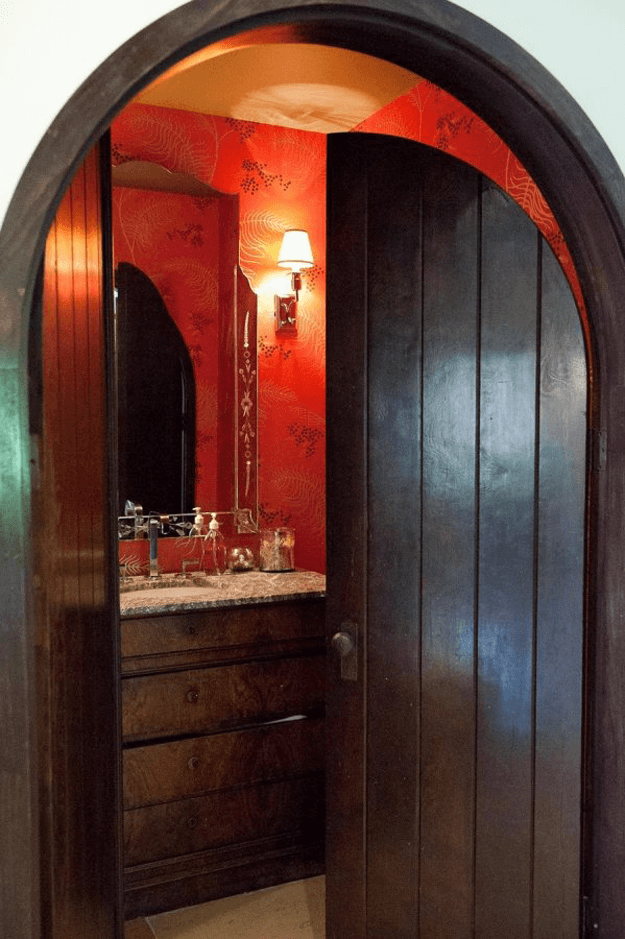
(345, 646)
(343, 643)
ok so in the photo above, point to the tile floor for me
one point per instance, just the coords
(289, 911)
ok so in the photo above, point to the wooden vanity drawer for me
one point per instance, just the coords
(184, 768)
(222, 793)
(235, 816)
(205, 700)
(219, 629)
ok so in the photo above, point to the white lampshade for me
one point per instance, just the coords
(295, 251)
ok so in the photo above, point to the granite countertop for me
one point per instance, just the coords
(227, 590)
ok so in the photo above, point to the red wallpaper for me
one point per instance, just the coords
(168, 237)
(279, 175)
(432, 116)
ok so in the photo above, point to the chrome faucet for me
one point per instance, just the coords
(136, 512)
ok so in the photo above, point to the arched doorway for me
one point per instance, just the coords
(582, 184)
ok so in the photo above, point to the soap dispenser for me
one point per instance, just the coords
(198, 527)
(216, 546)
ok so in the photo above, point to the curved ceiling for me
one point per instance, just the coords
(309, 87)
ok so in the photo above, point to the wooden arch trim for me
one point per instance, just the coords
(586, 191)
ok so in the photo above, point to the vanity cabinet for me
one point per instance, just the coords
(223, 751)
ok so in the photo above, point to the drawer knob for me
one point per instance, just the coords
(191, 630)
(192, 823)
(193, 696)
(194, 762)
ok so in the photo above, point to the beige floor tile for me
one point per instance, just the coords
(137, 929)
(289, 911)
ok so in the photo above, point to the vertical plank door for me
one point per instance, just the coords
(457, 399)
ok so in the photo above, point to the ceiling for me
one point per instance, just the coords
(306, 86)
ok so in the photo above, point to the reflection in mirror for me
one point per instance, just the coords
(156, 399)
(193, 354)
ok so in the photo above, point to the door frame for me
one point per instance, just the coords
(585, 189)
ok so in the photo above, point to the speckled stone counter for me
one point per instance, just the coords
(227, 590)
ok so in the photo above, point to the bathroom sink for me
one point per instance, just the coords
(169, 581)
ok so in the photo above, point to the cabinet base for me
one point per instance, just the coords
(197, 878)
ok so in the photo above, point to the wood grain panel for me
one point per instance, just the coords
(506, 570)
(559, 639)
(473, 558)
(393, 367)
(346, 531)
(221, 629)
(80, 759)
(168, 771)
(451, 367)
(231, 817)
(175, 661)
(221, 872)
(209, 699)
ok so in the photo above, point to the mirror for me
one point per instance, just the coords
(156, 430)
(186, 346)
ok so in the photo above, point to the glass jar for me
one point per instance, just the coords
(277, 549)
(240, 559)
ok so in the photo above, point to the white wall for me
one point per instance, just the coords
(48, 48)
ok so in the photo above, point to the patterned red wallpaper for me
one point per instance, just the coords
(279, 175)
(432, 116)
(171, 238)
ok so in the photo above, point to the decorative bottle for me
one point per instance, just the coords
(216, 547)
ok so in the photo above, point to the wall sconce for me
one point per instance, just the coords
(295, 253)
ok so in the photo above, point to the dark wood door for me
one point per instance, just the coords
(457, 436)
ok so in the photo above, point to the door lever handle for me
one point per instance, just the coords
(344, 645)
